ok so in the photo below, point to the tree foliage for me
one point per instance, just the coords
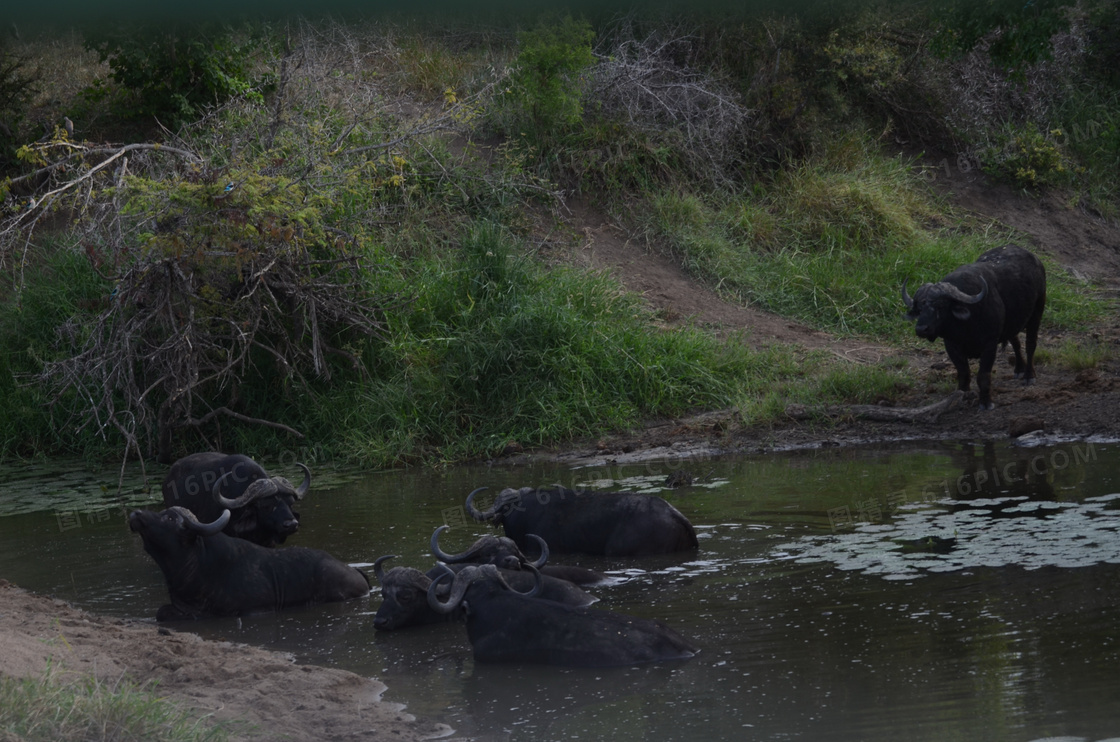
(173, 73)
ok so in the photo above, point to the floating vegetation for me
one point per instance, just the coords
(993, 532)
(73, 486)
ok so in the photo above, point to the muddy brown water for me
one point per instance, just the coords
(923, 592)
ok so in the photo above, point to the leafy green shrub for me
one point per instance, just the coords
(1027, 157)
(59, 286)
(543, 97)
(172, 74)
(17, 88)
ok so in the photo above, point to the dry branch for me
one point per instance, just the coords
(928, 414)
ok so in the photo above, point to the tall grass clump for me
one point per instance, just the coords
(48, 709)
(495, 347)
(59, 288)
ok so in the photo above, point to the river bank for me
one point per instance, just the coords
(255, 693)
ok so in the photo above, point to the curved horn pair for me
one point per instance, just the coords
(261, 488)
(192, 522)
(952, 291)
(466, 578)
(477, 547)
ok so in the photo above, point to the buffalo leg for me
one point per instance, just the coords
(1020, 367)
(1032, 343)
(984, 375)
(960, 360)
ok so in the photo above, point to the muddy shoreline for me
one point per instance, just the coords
(257, 694)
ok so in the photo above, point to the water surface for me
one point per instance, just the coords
(932, 591)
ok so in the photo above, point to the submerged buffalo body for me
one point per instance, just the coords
(504, 625)
(578, 522)
(211, 574)
(404, 601)
(981, 305)
(260, 505)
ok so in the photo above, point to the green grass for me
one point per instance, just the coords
(1077, 354)
(831, 241)
(59, 285)
(496, 347)
(49, 709)
(1090, 120)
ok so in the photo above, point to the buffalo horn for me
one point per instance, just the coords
(905, 296)
(255, 490)
(475, 512)
(543, 558)
(964, 298)
(458, 589)
(306, 484)
(377, 569)
(538, 581)
(206, 529)
(443, 556)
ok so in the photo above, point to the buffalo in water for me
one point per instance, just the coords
(580, 522)
(261, 506)
(979, 306)
(504, 625)
(504, 553)
(211, 574)
(404, 589)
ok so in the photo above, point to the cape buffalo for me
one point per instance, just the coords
(404, 594)
(504, 625)
(404, 589)
(979, 306)
(260, 506)
(503, 552)
(211, 574)
(579, 522)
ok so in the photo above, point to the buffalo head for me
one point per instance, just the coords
(485, 575)
(403, 596)
(933, 303)
(265, 507)
(173, 531)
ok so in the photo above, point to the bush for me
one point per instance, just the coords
(17, 89)
(1027, 157)
(172, 75)
(543, 97)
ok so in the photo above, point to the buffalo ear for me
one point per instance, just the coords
(962, 312)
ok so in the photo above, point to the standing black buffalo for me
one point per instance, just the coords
(404, 591)
(576, 522)
(503, 552)
(507, 626)
(260, 505)
(981, 305)
(211, 574)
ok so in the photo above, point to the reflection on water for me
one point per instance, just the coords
(927, 592)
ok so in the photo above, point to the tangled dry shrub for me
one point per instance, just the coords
(242, 254)
(645, 84)
(984, 98)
